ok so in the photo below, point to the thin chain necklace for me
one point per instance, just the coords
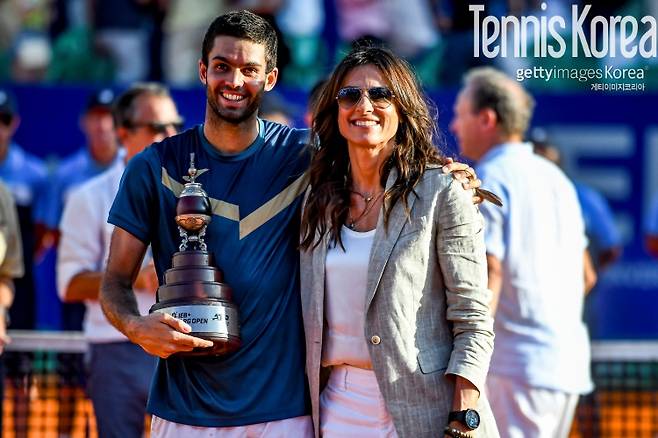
(367, 197)
(370, 201)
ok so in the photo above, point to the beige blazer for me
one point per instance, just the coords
(426, 304)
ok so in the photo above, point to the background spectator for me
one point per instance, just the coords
(538, 265)
(604, 239)
(184, 24)
(119, 371)
(26, 177)
(11, 266)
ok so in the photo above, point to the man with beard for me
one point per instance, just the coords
(254, 171)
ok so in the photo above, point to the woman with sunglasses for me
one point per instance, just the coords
(393, 266)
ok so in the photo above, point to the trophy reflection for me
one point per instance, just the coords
(193, 290)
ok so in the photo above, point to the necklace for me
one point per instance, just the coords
(367, 197)
(370, 201)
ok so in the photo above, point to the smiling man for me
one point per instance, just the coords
(256, 174)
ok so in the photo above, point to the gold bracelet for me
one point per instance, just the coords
(456, 433)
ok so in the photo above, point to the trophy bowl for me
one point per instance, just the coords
(192, 222)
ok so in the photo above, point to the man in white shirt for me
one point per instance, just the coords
(119, 371)
(538, 264)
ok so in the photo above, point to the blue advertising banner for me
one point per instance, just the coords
(608, 141)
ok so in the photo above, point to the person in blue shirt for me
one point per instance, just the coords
(101, 151)
(254, 172)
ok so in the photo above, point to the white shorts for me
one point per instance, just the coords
(301, 427)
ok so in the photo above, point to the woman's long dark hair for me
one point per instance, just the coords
(328, 202)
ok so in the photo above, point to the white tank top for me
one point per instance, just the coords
(345, 295)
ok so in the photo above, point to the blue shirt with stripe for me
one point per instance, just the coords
(253, 235)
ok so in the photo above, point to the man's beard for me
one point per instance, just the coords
(228, 115)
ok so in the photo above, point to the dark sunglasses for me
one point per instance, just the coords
(157, 127)
(380, 97)
(6, 119)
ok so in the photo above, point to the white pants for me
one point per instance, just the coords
(301, 427)
(523, 411)
(352, 406)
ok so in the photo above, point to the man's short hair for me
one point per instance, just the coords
(243, 25)
(513, 105)
(123, 110)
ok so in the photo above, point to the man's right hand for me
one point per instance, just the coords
(162, 335)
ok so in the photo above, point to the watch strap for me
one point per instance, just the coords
(457, 416)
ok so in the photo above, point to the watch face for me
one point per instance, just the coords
(472, 419)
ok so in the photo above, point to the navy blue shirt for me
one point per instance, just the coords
(253, 235)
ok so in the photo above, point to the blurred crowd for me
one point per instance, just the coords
(123, 41)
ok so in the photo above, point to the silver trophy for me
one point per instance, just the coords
(193, 290)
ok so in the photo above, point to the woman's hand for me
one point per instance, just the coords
(467, 176)
(463, 173)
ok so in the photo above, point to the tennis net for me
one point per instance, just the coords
(44, 389)
(625, 400)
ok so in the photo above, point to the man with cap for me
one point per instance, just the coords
(102, 151)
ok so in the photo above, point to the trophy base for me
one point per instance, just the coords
(211, 319)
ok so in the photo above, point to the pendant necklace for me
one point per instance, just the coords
(370, 200)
